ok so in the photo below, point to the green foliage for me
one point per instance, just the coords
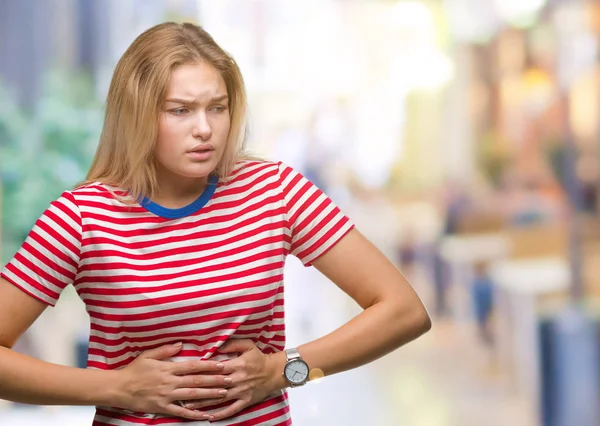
(45, 152)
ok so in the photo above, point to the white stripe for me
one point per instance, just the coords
(30, 289)
(326, 245)
(167, 247)
(185, 302)
(18, 265)
(47, 254)
(188, 278)
(317, 220)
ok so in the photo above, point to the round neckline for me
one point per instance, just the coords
(184, 211)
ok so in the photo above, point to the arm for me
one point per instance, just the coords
(147, 385)
(393, 313)
(31, 381)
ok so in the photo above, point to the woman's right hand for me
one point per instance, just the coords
(151, 385)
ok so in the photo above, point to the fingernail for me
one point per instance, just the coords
(223, 392)
(189, 406)
(228, 380)
(178, 344)
(219, 365)
(207, 416)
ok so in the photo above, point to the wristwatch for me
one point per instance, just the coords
(296, 369)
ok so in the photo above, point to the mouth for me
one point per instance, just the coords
(202, 149)
(201, 152)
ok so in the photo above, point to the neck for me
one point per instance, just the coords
(174, 194)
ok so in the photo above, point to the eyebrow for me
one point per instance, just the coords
(191, 100)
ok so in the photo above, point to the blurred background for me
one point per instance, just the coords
(461, 136)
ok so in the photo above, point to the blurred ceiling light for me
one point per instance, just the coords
(520, 13)
(410, 14)
(421, 68)
(471, 20)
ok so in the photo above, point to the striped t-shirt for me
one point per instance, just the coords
(201, 274)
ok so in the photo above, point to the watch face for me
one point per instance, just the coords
(296, 371)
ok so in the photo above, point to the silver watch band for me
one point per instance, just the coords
(292, 353)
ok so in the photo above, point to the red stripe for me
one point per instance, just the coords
(56, 253)
(198, 354)
(300, 209)
(308, 220)
(269, 228)
(313, 227)
(26, 279)
(199, 307)
(121, 416)
(185, 236)
(26, 290)
(63, 243)
(144, 217)
(263, 405)
(228, 276)
(260, 420)
(36, 273)
(250, 168)
(64, 210)
(325, 238)
(190, 354)
(184, 263)
(230, 189)
(191, 336)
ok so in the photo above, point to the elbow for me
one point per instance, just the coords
(414, 320)
(422, 321)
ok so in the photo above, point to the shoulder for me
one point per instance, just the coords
(96, 190)
(99, 197)
(250, 167)
(254, 171)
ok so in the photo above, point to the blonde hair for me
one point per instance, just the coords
(125, 154)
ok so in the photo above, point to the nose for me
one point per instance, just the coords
(202, 129)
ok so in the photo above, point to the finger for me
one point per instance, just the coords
(237, 345)
(179, 411)
(162, 352)
(203, 403)
(205, 381)
(236, 407)
(197, 366)
(190, 394)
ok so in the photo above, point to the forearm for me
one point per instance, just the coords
(30, 381)
(373, 333)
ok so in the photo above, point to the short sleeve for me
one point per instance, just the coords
(315, 223)
(47, 261)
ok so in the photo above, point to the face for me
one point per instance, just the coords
(193, 123)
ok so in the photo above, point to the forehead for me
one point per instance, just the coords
(196, 81)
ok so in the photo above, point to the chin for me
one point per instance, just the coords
(198, 172)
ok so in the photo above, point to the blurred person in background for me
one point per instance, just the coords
(176, 244)
(482, 292)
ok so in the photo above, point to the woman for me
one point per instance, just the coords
(176, 244)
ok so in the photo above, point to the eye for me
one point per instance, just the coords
(179, 111)
(219, 108)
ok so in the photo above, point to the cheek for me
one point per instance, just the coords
(164, 139)
(224, 129)
(165, 128)
(169, 131)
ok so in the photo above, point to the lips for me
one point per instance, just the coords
(202, 149)
(201, 152)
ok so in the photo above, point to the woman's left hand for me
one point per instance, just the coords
(253, 375)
